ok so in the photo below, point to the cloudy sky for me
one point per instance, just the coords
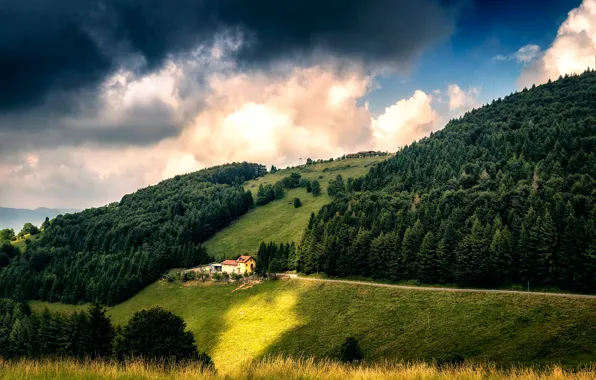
(100, 98)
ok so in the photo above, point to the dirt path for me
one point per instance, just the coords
(455, 290)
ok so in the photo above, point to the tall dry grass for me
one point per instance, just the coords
(279, 368)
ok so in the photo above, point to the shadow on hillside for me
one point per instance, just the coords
(411, 325)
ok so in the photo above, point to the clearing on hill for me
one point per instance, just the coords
(278, 220)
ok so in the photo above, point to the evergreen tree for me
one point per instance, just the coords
(427, 259)
(316, 188)
(101, 331)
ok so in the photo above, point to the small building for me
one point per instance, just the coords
(246, 264)
(242, 265)
(215, 268)
(229, 266)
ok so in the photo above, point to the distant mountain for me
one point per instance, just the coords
(16, 217)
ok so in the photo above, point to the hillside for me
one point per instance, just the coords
(299, 318)
(15, 217)
(110, 253)
(504, 195)
(279, 221)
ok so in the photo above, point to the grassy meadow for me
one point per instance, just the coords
(20, 243)
(301, 319)
(280, 368)
(279, 221)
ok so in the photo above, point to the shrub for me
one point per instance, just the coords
(350, 350)
(217, 276)
(225, 276)
(236, 276)
(297, 202)
(189, 276)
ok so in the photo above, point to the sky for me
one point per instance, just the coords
(99, 99)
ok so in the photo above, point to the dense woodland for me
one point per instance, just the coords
(276, 257)
(503, 195)
(154, 334)
(108, 254)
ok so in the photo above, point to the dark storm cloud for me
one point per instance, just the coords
(141, 125)
(49, 46)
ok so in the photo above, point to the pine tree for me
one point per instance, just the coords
(501, 248)
(473, 259)
(410, 248)
(316, 188)
(427, 258)
(101, 331)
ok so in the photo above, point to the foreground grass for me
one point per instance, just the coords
(279, 368)
(279, 221)
(311, 319)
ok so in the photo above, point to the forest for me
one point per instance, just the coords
(150, 335)
(503, 195)
(108, 254)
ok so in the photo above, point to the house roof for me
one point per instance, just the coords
(229, 262)
(243, 259)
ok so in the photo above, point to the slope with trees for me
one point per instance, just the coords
(276, 219)
(503, 195)
(107, 254)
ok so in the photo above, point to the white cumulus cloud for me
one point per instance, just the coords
(405, 121)
(572, 51)
(460, 99)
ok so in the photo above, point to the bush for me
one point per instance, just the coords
(236, 276)
(225, 276)
(217, 276)
(189, 276)
(297, 202)
(291, 181)
(157, 335)
(350, 350)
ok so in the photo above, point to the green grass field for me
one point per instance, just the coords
(304, 319)
(20, 243)
(279, 221)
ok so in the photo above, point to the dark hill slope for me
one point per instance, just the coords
(110, 253)
(505, 194)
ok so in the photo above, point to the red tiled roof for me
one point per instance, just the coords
(243, 259)
(229, 262)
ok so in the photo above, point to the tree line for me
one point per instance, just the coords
(276, 257)
(107, 254)
(503, 195)
(150, 335)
